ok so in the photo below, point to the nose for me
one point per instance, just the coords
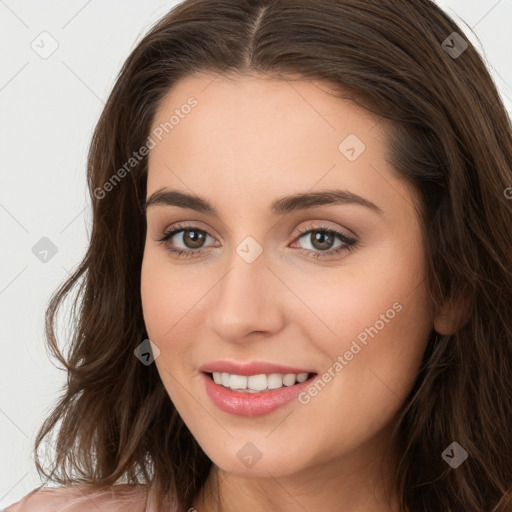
(247, 300)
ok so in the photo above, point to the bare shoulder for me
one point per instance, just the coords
(82, 498)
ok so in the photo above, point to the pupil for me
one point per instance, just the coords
(196, 238)
(319, 240)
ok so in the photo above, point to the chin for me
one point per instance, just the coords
(246, 459)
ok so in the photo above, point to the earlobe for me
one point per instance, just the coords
(452, 316)
(444, 324)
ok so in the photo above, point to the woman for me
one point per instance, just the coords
(305, 206)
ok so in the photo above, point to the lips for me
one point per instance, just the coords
(256, 403)
(251, 368)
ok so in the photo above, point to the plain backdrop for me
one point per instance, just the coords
(49, 105)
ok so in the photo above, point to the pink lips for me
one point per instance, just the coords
(254, 368)
(251, 404)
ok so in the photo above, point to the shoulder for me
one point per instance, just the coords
(83, 498)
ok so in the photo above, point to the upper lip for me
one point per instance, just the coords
(250, 368)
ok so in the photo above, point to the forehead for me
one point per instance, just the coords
(254, 132)
(259, 103)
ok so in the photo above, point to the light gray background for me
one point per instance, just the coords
(48, 109)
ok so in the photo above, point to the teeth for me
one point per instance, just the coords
(275, 381)
(289, 379)
(256, 383)
(238, 382)
(301, 377)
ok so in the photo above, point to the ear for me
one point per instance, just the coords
(452, 316)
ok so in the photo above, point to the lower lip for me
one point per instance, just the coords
(252, 404)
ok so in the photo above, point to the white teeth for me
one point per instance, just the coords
(256, 383)
(275, 381)
(289, 379)
(238, 381)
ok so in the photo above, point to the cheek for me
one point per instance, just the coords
(371, 363)
(165, 305)
(155, 297)
(166, 297)
(173, 299)
(378, 294)
(394, 315)
(378, 322)
(383, 347)
(160, 305)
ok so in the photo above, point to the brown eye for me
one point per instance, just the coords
(183, 239)
(321, 241)
(193, 238)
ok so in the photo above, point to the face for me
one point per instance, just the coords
(248, 284)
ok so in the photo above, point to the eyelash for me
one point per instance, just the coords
(349, 243)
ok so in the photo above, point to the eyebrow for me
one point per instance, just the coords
(166, 197)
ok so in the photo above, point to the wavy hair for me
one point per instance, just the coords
(450, 137)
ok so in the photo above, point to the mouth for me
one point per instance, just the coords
(259, 383)
(255, 395)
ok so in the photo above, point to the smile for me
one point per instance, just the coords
(257, 383)
(254, 395)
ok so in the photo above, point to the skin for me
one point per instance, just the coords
(248, 142)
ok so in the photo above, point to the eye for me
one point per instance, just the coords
(191, 237)
(321, 239)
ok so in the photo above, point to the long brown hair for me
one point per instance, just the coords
(450, 138)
